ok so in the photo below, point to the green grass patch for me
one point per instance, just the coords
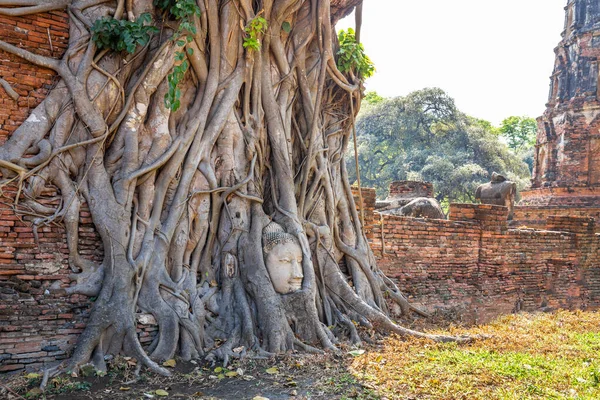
(528, 356)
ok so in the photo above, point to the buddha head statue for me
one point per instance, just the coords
(283, 258)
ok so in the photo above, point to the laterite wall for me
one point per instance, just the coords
(472, 267)
(46, 34)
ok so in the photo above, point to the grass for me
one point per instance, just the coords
(528, 356)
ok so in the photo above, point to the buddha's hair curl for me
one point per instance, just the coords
(274, 235)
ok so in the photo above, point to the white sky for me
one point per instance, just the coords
(494, 57)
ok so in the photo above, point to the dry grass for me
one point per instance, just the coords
(529, 356)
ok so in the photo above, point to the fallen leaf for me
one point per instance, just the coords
(272, 371)
(240, 372)
(32, 375)
(356, 353)
(220, 376)
(238, 349)
(218, 370)
(124, 389)
(170, 363)
(34, 393)
(148, 395)
(231, 374)
(260, 398)
(160, 392)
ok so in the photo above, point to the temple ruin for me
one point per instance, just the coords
(566, 175)
(470, 267)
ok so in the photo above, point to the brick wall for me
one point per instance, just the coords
(38, 322)
(410, 189)
(537, 217)
(473, 267)
(45, 34)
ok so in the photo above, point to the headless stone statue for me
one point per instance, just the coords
(498, 191)
(283, 259)
(422, 207)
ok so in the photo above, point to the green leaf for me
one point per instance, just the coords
(160, 392)
(287, 28)
(356, 353)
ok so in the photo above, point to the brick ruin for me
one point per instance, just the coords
(566, 175)
(471, 267)
(474, 266)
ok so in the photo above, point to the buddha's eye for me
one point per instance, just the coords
(285, 260)
(299, 260)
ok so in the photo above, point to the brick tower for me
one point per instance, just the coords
(567, 154)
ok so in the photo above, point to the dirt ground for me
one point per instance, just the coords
(288, 377)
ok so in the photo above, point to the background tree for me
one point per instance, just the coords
(424, 137)
(519, 132)
(520, 135)
(188, 127)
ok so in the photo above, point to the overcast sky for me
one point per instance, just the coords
(494, 57)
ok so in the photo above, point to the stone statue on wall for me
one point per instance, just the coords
(422, 207)
(283, 258)
(498, 191)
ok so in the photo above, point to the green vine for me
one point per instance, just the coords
(352, 57)
(183, 11)
(256, 27)
(180, 9)
(119, 35)
(172, 97)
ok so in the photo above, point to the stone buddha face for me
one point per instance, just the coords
(283, 259)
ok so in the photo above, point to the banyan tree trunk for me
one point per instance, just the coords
(230, 219)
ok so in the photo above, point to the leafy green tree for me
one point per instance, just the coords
(423, 136)
(519, 132)
(372, 98)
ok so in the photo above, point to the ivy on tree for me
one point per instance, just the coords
(119, 35)
(256, 27)
(352, 57)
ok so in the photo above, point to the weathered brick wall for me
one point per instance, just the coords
(39, 323)
(567, 151)
(45, 34)
(537, 217)
(473, 267)
(410, 189)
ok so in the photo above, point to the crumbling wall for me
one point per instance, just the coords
(45, 34)
(473, 267)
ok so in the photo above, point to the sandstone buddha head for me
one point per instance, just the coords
(283, 258)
